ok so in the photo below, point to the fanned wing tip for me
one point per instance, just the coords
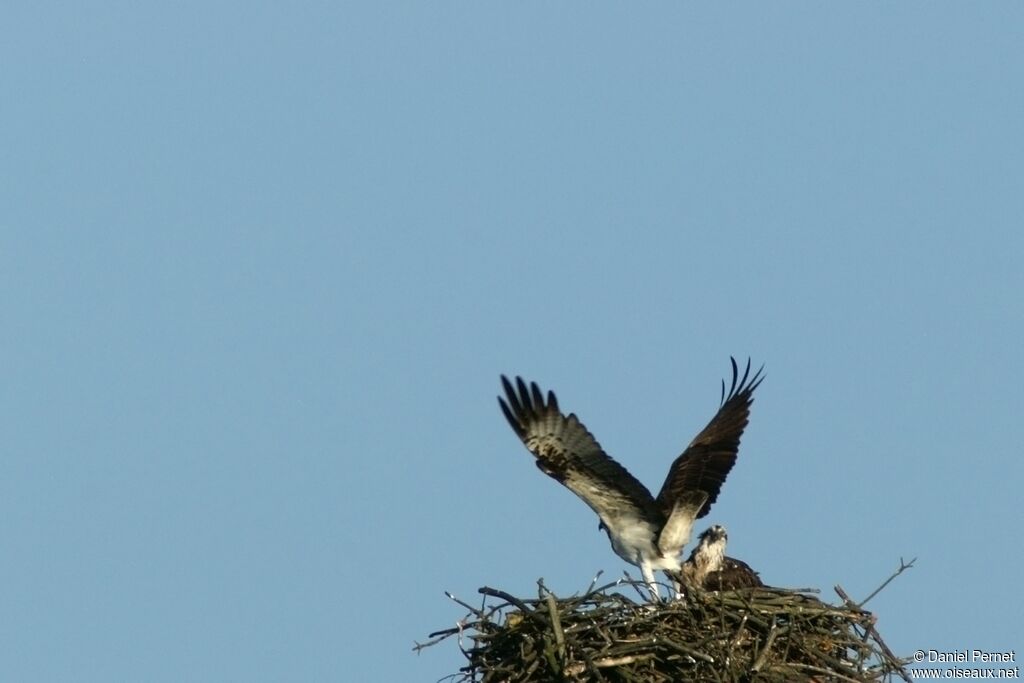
(524, 403)
(744, 385)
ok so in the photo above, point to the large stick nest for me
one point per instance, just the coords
(756, 634)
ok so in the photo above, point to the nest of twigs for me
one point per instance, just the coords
(755, 634)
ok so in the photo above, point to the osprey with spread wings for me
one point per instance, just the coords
(645, 531)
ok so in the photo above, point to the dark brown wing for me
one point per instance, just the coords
(734, 574)
(566, 451)
(706, 462)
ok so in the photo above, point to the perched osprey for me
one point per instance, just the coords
(710, 569)
(645, 531)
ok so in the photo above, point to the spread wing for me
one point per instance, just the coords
(706, 462)
(566, 451)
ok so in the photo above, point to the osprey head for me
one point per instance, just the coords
(714, 534)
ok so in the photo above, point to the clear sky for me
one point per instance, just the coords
(261, 266)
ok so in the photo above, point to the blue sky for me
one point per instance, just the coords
(261, 266)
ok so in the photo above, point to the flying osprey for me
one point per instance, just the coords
(710, 569)
(645, 531)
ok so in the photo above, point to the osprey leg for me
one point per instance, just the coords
(652, 585)
(677, 586)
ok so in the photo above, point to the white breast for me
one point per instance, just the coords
(635, 540)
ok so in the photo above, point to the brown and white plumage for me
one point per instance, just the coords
(645, 531)
(709, 568)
